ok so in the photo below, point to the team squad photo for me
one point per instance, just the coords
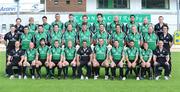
(81, 50)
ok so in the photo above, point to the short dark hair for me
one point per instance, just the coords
(117, 25)
(42, 39)
(26, 27)
(131, 41)
(84, 41)
(100, 14)
(40, 25)
(71, 14)
(55, 25)
(44, 17)
(165, 26)
(57, 14)
(84, 16)
(18, 19)
(132, 15)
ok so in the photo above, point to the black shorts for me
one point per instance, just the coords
(100, 62)
(42, 61)
(30, 62)
(69, 61)
(55, 62)
(116, 62)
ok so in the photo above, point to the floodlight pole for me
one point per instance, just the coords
(178, 14)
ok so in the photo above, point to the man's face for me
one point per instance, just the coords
(71, 18)
(57, 17)
(131, 44)
(132, 18)
(26, 30)
(160, 44)
(116, 43)
(18, 21)
(69, 44)
(161, 19)
(17, 44)
(44, 20)
(31, 45)
(101, 27)
(56, 28)
(150, 30)
(134, 29)
(42, 43)
(40, 29)
(118, 28)
(84, 44)
(145, 21)
(69, 27)
(116, 18)
(31, 20)
(85, 19)
(101, 41)
(56, 43)
(165, 29)
(13, 29)
(100, 18)
(145, 45)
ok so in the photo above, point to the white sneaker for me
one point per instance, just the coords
(95, 77)
(157, 78)
(106, 77)
(11, 77)
(124, 78)
(19, 77)
(137, 78)
(166, 77)
(86, 78)
(33, 77)
(82, 77)
(25, 77)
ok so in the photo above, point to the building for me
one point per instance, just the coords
(66, 5)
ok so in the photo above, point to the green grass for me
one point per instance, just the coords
(100, 85)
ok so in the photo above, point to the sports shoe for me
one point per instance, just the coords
(82, 77)
(166, 77)
(124, 78)
(157, 78)
(19, 77)
(25, 77)
(106, 77)
(137, 78)
(86, 78)
(33, 77)
(11, 77)
(95, 77)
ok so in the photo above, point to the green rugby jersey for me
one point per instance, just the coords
(69, 35)
(61, 25)
(69, 53)
(100, 52)
(56, 53)
(120, 37)
(146, 54)
(131, 53)
(56, 36)
(144, 29)
(129, 27)
(25, 40)
(73, 23)
(42, 52)
(31, 54)
(137, 38)
(85, 35)
(104, 35)
(39, 36)
(117, 53)
(32, 29)
(113, 26)
(152, 40)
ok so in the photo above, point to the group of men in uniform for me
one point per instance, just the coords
(142, 48)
